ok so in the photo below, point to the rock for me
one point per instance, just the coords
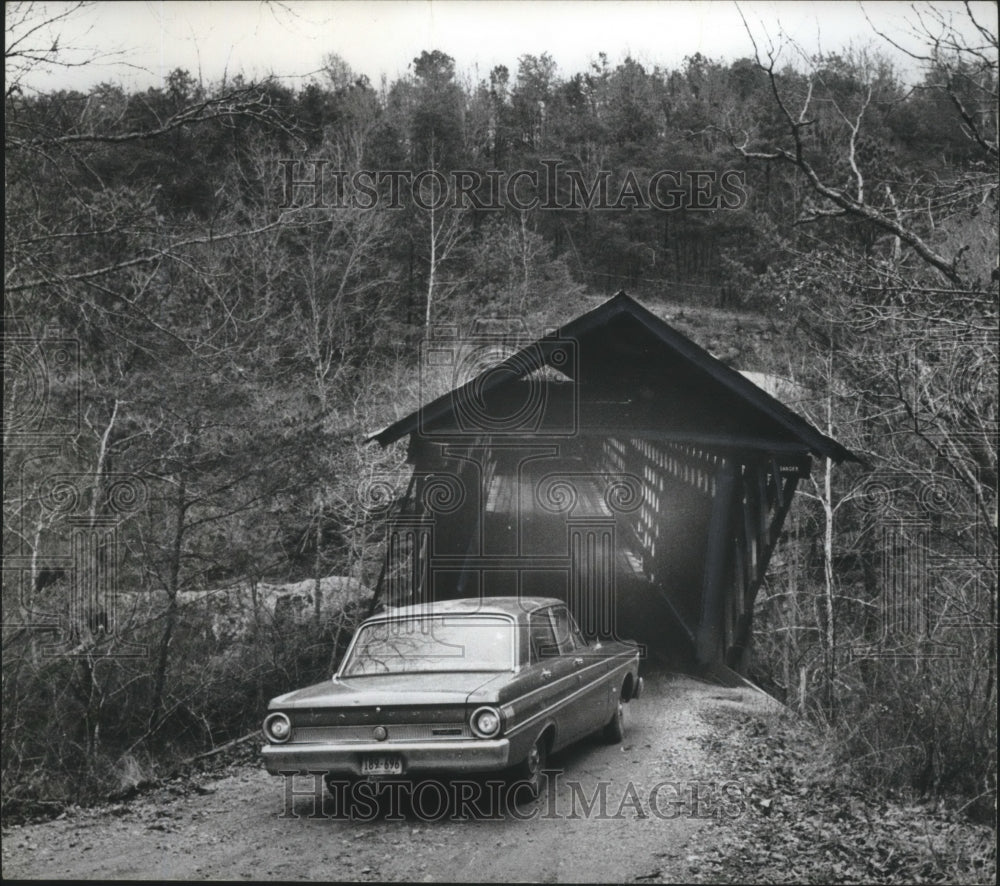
(230, 613)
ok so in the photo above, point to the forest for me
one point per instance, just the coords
(214, 292)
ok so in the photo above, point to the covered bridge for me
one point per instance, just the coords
(612, 463)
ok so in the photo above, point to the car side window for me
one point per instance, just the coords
(543, 638)
(581, 642)
(564, 630)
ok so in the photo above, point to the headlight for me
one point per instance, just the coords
(277, 728)
(485, 722)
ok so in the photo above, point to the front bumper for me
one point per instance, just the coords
(467, 755)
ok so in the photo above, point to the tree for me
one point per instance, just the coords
(166, 274)
(858, 198)
(912, 319)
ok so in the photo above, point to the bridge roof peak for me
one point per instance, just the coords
(629, 371)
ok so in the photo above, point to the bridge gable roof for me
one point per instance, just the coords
(629, 372)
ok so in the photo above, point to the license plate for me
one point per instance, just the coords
(381, 764)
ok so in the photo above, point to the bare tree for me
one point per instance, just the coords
(953, 63)
(892, 270)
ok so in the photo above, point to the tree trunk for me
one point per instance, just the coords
(831, 636)
(317, 603)
(102, 455)
(431, 268)
(173, 584)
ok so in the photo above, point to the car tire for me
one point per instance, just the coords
(527, 776)
(614, 730)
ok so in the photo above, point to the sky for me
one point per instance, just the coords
(139, 43)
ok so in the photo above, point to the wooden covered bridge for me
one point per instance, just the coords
(612, 463)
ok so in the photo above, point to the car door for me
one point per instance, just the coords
(542, 686)
(595, 689)
(582, 680)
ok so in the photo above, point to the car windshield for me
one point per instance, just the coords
(433, 643)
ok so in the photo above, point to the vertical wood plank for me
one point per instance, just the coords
(717, 563)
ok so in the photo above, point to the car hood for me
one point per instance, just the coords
(386, 690)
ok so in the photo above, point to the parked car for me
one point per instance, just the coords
(460, 686)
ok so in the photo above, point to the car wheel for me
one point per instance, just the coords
(614, 730)
(528, 775)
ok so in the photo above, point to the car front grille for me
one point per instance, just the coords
(397, 732)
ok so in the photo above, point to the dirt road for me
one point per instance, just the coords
(640, 811)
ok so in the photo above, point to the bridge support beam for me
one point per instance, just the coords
(708, 646)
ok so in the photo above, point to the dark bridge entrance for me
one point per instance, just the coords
(612, 463)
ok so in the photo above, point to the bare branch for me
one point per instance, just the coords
(248, 103)
(155, 255)
(852, 205)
